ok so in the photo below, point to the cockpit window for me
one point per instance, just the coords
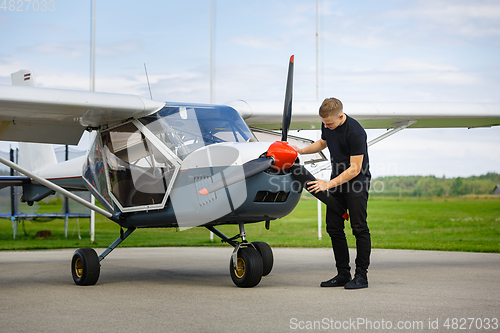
(139, 174)
(186, 128)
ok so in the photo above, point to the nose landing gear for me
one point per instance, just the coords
(249, 261)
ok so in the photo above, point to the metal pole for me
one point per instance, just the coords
(211, 66)
(13, 199)
(92, 54)
(317, 99)
(92, 88)
(66, 202)
(320, 217)
(211, 51)
(319, 220)
(317, 52)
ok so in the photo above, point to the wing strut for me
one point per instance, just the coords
(402, 126)
(56, 188)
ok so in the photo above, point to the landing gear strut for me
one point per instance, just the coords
(249, 261)
(86, 265)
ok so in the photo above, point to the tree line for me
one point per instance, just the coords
(419, 186)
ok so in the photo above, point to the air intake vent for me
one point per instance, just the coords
(200, 183)
(271, 196)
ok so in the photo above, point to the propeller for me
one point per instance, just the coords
(279, 156)
(287, 111)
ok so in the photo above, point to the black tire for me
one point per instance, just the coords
(250, 272)
(267, 256)
(85, 267)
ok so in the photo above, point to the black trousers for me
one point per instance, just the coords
(356, 203)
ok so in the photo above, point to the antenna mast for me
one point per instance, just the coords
(147, 78)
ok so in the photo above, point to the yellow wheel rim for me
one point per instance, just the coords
(240, 271)
(79, 267)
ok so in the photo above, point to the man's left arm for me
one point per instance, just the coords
(352, 171)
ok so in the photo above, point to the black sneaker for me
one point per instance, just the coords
(337, 281)
(358, 282)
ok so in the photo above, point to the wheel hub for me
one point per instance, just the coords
(240, 269)
(78, 267)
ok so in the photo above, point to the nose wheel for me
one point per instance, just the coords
(249, 261)
(247, 272)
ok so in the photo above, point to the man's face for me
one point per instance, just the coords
(332, 122)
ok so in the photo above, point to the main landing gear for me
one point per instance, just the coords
(86, 265)
(249, 261)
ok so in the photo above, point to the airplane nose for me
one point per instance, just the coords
(283, 154)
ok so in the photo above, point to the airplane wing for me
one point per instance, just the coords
(42, 115)
(385, 115)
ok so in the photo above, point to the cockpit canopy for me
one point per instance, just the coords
(184, 128)
(133, 166)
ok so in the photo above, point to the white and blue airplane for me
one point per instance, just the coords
(162, 164)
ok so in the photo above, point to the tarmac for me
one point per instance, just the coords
(190, 290)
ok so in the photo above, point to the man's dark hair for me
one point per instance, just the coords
(330, 107)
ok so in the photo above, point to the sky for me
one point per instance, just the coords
(432, 51)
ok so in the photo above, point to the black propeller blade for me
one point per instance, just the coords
(282, 159)
(250, 169)
(301, 174)
(287, 111)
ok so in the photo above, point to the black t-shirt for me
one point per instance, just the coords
(349, 139)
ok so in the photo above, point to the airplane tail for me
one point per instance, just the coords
(32, 156)
(24, 77)
(36, 156)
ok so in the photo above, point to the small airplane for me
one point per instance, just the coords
(155, 164)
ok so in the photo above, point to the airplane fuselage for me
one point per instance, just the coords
(147, 172)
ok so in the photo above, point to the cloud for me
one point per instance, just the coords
(294, 15)
(406, 72)
(78, 49)
(258, 42)
(10, 64)
(118, 49)
(57, 49)
(467, 18)
(422, 72)
(62, 80)
(413, 23)
(182, 86)
(457, 10)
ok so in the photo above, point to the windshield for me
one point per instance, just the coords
(186, 128)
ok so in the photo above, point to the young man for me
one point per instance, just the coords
(349, 184)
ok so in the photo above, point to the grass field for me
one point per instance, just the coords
(470, 223)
